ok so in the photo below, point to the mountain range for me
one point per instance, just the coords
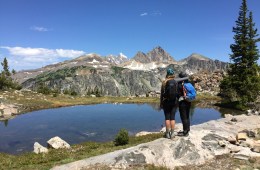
(115, 75)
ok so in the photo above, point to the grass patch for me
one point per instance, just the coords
(207, 96)
(30, 101)
(231, 105)
(61, 156)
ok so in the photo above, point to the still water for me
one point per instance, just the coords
(78, 124)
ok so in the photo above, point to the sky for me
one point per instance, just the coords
(35, 33)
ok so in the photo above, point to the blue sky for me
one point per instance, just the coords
(34, 33)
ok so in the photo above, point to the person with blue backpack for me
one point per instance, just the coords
(169, 102)
(186, 94)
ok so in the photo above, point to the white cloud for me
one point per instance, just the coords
(69, 53)
(144, 14)
(28, 58)
(40, 29)
(36, 52)
(153, 14)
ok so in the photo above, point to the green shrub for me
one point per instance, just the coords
(66, 91)
(122, 138)
(55, 95)
(73, 93)
(42, 88)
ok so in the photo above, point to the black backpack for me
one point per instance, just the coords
(171, 90)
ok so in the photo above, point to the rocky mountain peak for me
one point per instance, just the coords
(157, 55)
(89, 57)
(198, 57)
(119, 59)
(141, 57)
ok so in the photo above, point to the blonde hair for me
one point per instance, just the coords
(168, 77)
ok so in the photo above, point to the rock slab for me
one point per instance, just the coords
(201, 145)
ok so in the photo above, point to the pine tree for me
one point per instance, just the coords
(243, 81)
(6, 68)
(5, 77)
(6, 80)
(13, 72)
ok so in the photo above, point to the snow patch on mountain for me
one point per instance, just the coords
(93, 61)
(134, 65)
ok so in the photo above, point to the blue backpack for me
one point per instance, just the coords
(190, 92)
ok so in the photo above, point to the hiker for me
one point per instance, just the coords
(184, 106)
(168, 102)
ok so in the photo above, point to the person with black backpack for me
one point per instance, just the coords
(187, 93)
(169, 102)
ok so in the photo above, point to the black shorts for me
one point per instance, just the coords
(169, 109)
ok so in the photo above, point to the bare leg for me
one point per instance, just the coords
(168, 124)
(172, 124)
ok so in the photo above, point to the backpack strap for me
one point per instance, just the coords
(165, 82)
(164, 87)
(184, 90)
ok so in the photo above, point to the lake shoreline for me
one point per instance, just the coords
(75, 101)
(28, 101)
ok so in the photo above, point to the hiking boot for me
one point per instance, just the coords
(182, 133)
(168, 135)
(172, 134)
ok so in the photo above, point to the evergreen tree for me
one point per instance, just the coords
(6, 81)
(243, 82)
(5, 77)
(13, 72)
(6, 68)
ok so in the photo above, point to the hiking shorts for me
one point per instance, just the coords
(169, 110)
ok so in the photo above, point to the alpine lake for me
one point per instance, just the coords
(99, 123)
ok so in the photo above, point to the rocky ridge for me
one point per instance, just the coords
(117, 75)
(206, 82)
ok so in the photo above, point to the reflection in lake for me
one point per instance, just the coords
(87, 123)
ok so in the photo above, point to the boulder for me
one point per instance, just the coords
(232, 140)
(2, 106)
(222, 143)
(7, 112)
(38, 148)
(228, 116)
(233, 120)
(57, 143)
(256, 149)
(241, 136)
(234, 149)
